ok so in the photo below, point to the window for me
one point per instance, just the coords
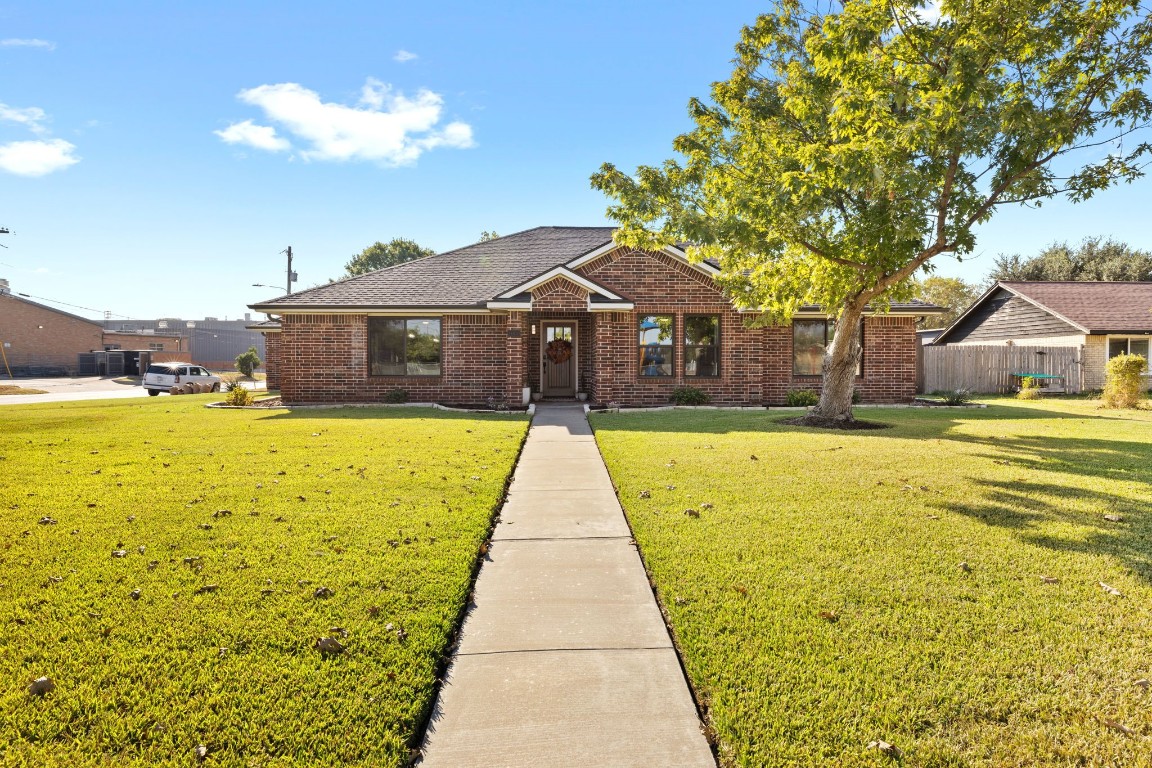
(656, 345)
(1132, 346)
(399, 346)
(156, 346)
(702, 345)
(809, 340)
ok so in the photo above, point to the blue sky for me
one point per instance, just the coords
(155, 158)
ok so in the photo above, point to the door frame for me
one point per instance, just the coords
(575, 326)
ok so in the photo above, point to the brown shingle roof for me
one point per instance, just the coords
(469, 277)
(465, 277)
(1104, 307)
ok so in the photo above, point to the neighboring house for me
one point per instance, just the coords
(41, 341)
(1104, 318)
(562, 310)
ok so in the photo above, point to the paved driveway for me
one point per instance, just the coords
(80, 388)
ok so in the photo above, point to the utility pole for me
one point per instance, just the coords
(291, 275)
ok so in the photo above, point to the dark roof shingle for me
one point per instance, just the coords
(1097, 307)
(465, 277)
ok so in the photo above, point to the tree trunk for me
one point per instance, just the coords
(841, 361)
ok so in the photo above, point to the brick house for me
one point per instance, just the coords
(561, 310)
(41, 341)
(1103, 319)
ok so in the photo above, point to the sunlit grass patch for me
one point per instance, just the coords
(832, 589)
(160, 562)
(16, 389)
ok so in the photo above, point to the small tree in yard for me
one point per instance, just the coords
(1124, 384)
(856, 142)
(248, 362)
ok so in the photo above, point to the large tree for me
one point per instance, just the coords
(1093, 259)
(379, 255)
(952, 293)
(853, 144)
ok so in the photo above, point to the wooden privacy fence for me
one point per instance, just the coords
(990, 369)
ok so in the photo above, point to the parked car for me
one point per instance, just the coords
(160, 377)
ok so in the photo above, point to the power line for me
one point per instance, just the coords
(75, 306)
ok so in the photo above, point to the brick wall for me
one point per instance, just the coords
(34, 335)
(324, 358)
(661, 285)
(1094, 358)
(889, 369)
(272, 359)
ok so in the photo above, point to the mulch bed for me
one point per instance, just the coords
(822, 423)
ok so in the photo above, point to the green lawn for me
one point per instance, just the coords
(820, 603)
(386, 508)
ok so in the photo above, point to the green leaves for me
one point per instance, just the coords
(848, 149)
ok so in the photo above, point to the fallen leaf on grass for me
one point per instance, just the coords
(691, 513)
(222, 513)
(742, 590)
(885, 747)
(1049, 580)
(338, 631)
(965, 567)
(329, 646)
(206, 589)
(830, 616)
(754, 457)
(46, 521)
(705, 505)
(322, 592)
(205, 526)
(1119, 727)
(134, 594)
(645, 494)
(374, 611)
(1114, 518)
(1142, 683)
(119, 553)
(1111, 590)
(201, 753)
(41, 686)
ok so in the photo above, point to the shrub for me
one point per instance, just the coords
(857, 398)
(1124, 385)
(689, 396)
(396, 396)
(801, 398)
(954, 396)
(238, 395)
(248, 362)
(1028, 389)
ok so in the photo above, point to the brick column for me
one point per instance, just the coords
(515, 355)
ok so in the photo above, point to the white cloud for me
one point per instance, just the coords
(258, 136)
(15, 42)
(385, 126)
(37, 158)
(403, 56)
(30, 117)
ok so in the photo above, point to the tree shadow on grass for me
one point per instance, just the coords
(1028, 507)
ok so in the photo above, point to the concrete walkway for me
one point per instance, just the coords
(564, 658)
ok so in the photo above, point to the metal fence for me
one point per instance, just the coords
(996, 369)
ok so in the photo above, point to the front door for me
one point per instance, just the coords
(559, 359)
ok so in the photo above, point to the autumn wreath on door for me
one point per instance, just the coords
(559, 351)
